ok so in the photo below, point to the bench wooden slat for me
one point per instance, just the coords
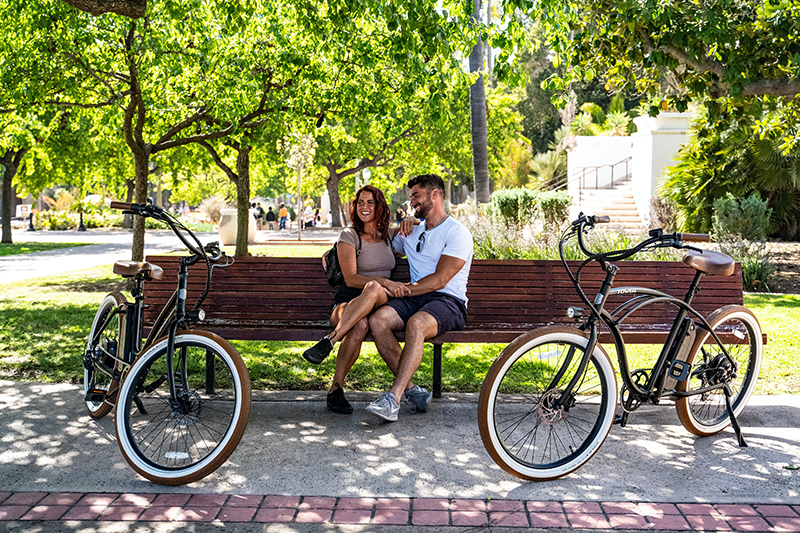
(286, 298)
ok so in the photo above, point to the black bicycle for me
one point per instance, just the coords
(548, 402)
(182, 394)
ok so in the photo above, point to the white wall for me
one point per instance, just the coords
(655, 146)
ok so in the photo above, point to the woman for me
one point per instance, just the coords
(366, 259)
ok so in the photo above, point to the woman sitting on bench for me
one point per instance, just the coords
(366, 259)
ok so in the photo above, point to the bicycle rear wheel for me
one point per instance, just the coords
(179, 442)
(523, 431)
(103, 347)
(738, 329)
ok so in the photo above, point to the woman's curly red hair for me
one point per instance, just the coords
(382, 216)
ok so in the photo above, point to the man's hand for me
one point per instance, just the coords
(407, 225)
(395, 289)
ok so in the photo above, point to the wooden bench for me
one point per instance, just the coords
(287, 299)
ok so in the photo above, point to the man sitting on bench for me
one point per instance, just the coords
(439, 256)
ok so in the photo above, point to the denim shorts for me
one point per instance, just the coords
(450, 312)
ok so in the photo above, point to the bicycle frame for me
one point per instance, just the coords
(172, 316)
(654, 388)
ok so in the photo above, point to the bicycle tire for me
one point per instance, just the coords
(182, 444)
(522, 434)
(109, 340)
(707, 414)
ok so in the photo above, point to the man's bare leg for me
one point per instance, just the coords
(420, 326)
(383, 323)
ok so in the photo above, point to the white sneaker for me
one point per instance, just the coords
(385, 407)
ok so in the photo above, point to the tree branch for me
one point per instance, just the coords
(126, 8)
(218, 161)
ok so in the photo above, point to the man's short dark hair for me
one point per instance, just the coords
(428, 182)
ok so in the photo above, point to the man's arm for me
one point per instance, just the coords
(447, 267)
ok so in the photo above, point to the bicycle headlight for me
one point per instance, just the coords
(574, 312)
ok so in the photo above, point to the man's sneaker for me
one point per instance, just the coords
(317, 353)
(338, 403)
(385, 407)
(418, 399)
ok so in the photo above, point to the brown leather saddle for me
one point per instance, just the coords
(710, 262)
(129, 269)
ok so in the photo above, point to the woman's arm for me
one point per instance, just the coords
(348, 263)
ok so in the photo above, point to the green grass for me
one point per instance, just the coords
(18, 248)
(45, 323)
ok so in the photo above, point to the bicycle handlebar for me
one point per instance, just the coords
(121, 205)
(693, 237)
(211, 251)
(657, 238)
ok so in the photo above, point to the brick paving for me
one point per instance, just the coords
(458, 512)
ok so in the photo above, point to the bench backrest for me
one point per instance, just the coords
(289, 298)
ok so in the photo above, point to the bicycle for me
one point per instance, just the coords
(182, 395)
(549, 400)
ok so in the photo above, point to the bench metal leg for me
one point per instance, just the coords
(437, 370)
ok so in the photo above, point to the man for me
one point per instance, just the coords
(270, 216)
(283, 215)
(439, 252)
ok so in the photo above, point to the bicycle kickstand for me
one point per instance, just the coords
(734, 423)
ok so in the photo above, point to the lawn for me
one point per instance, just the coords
(18, 248)
(45, 323)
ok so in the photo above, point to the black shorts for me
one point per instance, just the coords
(450, 312)
(344, 295)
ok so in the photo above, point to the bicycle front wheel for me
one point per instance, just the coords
(738, 330)
(524, 430)
(104, 348)
(174, 441)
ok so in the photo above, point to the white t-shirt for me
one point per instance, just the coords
(451, 238)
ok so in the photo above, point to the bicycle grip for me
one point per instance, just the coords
(602, 219)
(694, 237)
(121, 205)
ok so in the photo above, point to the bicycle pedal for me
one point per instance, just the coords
(95, 395)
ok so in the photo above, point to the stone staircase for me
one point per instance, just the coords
(617, 203)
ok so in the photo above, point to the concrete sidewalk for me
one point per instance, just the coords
(293, 448)
(112, 245)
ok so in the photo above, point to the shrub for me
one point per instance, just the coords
(212, 208)
(740, 227)
(747, 218)
(514, 206)
(555, 207)
(55, 220)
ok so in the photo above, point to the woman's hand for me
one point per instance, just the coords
(395, 289)
(407, 225)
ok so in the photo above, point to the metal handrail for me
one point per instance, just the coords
(562, 181)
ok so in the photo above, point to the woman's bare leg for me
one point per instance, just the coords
(372, 297)
(348, 353)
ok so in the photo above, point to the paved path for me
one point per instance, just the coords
(111, 245)
(299, 463)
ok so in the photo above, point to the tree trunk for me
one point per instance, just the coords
(477, 104)
(127, 220)
(139, 196)
(8, 175)
(10, 161)
(332, 184)
(448, 185)
(242, 200)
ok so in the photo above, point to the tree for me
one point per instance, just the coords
(739, 54)
(477, 105)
